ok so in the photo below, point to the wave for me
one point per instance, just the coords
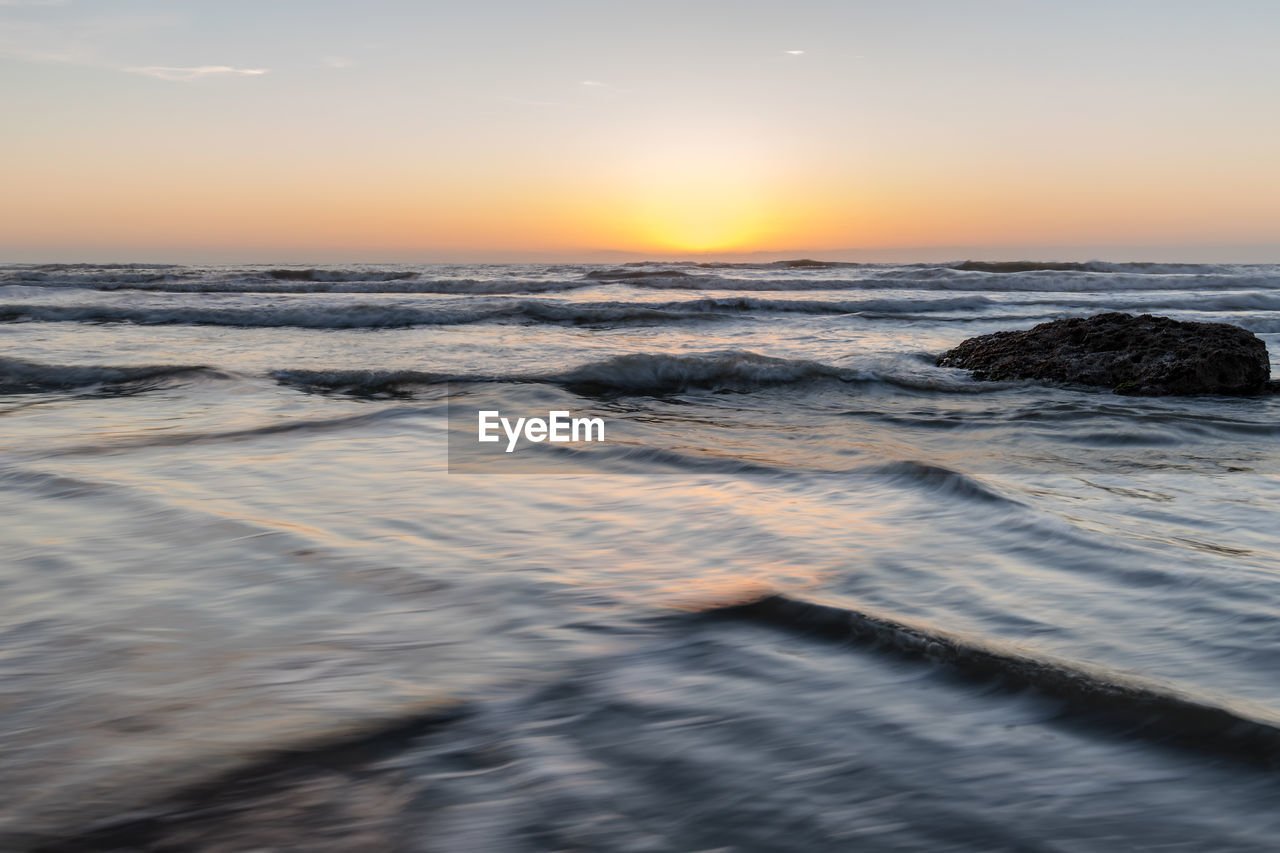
(716, 283)
(628, 274)
(1024, 266)
(268, 772)
(793, 264)
(92, 281)
(805, 306)
(291, 274)
(471, 734)
(661, 373)
(1086, 266)
(96, 275)
(1239, 301)
(1143, 267)
(935, 478)
(635, 373)
(169, 284)
(27, 377)
(790, 275)
(648, 460)
(945, 279)
(358, 316)
(481, 287)
(143, 273)
(653, 374)
(495, 287)
(1089, 695)
(809, 263)
(376, 316)
(370, 383)
(661, 268)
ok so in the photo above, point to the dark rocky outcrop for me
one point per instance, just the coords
(1144, 355)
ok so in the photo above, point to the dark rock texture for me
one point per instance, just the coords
(1144, 355)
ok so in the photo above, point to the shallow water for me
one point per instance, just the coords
(234, 525)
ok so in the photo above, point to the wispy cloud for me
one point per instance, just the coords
(600, 90)
(794, 52)
(91, 42)
(339, 62)
(186, 75)
(96, 41)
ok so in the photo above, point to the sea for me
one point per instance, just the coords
(811, 592)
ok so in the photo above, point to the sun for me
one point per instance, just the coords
(695, 198)
(699, 218)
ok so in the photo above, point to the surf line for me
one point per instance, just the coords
(559, 427)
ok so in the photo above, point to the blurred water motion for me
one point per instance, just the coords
(247, 606)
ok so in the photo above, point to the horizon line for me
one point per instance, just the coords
(1205, 253)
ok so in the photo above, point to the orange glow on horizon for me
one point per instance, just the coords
(694, 192)
(567, 134)
(684, 196)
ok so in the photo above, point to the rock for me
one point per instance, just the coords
(1144, 355)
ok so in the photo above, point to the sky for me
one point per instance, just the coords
(314, 130)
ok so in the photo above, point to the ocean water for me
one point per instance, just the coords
(813, 592)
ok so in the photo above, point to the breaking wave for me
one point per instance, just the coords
(375, 316)
(353, 316)
(653, 374)
(635, 373)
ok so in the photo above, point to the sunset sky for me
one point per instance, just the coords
(314, 130)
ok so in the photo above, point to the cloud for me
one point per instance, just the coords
(184, 75)
(95, 42)
(602, 90)
(795, 52)
(91, 42)
(339, 62)
(33, 2)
